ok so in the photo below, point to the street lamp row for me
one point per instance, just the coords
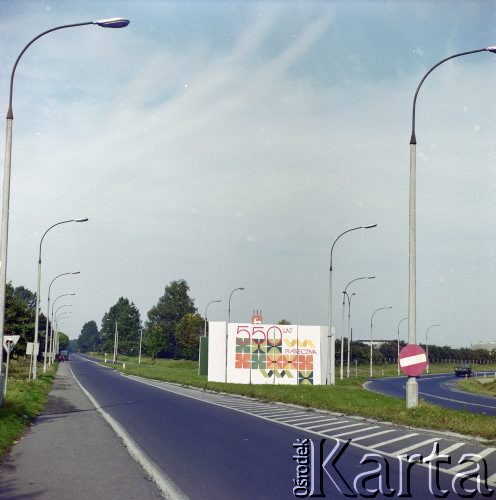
(331, 338)
(115, 22)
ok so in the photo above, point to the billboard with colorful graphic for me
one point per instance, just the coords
(266, 354)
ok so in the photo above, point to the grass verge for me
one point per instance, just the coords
(24, 401)
(479, 387)
(347, 397)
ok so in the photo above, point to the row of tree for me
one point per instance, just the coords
(20, 309)
(171, 330)
(389, 351)
(174, 326)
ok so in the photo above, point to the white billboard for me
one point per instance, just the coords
(266, 354)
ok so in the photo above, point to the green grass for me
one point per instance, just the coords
(347, 396)
(24, 401)
(474, 385)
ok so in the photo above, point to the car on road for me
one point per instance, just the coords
(463, 371)
(64, 355)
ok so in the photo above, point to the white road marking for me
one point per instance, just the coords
(492, 480)
(476, 457)
(163, 482)
(415, 446)
(456, 400)
(274, 412)
(339, 422)
(400, 438)
(324, 431)
(303, 419)
(374, 435)
(451, 448)
(356, 431)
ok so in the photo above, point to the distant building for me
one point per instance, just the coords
(375, 343)
(257, 318)
(487, 346)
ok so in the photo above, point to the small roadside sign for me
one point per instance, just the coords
(9, 341)
(32, 346)
(413, 360)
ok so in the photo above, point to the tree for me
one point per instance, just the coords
(127, 317)
(63, 341)
(19, 315)
(89, 338)
(188, 333)
(284, 322)
(154, 341)
(164, 317)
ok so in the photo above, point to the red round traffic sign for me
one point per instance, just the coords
(413, 360)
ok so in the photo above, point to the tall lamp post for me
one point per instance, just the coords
(38, 284)
(345, 294)
(427, 344)
(116, 22)
(206, 312)
(348, 353)
(48, 318)
(412, 385)
(371, 327)
(52, 343)
(55, 322)
(398, 357)
(241, 288)
(331, 339)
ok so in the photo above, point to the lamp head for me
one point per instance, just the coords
(491, 49)
(370, 277)
(113, 22)
(81, 220)
(76, 272)
(368, 226)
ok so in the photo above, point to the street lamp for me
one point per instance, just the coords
(115, 22)
(342, 331)
(37, 314)
(349, 297)
(398, 357)
(52, 343)
(55, 322)
(412, 385)
(427, 344)
(331, 339)
(48, 318)
(371, 326)
(206, 310)
(241, 288)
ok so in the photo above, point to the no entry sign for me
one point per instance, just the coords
(413, 360)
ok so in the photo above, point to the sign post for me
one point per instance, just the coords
(413, 362)
(9, 341)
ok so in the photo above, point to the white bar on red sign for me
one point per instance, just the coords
(413, 360)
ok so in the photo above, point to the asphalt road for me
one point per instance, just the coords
(215, 447)
(440, 390)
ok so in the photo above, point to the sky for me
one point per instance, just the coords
(230, 143)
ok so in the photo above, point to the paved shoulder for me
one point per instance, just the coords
(72, 453)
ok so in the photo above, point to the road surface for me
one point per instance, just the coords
(205, 445)
(438, 389)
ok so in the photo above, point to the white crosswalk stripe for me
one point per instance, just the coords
(400, 438)
(356, 431)
(473, 458)
(414, 446)
(368, 436)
